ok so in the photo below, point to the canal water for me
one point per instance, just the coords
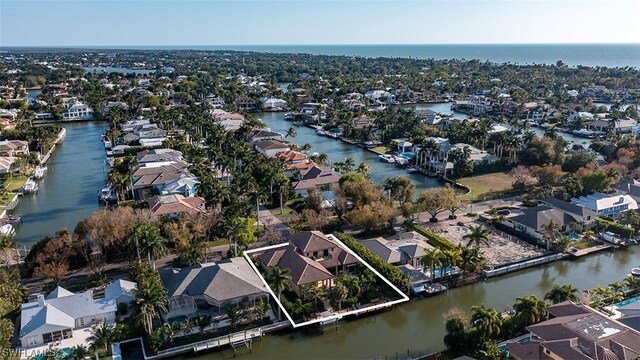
(67, 193)
(337, 150)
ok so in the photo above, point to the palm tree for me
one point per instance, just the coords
(551, 232)
(364, 168)
(233, 229)
(478, 235)
(529, 310)
(631, 282)
(618, 292)
(432, 260)
(145, 237)
(488, 322)
(560, 293)
(349, 164)
(291, 133)
(279, 280)
(150, 301)
(300, 308)
(102, 336)
(338, 294)
(452, 257)
(551, 133)
(471, 259)
(314, 292)
(79, 352)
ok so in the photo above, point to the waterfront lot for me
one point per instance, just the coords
(502, 248)
(482, 184)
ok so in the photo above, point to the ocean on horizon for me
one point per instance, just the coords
(609, 55)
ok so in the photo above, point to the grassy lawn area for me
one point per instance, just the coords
(584, 244)
(282, 215)
(15, 183)
(381, 149)
(482, 184)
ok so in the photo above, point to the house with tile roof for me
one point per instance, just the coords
(150, 179)
(404, 248)
(175, 205)
(212, 287)
(316, 177)
(14, 147)
(56, 316)
(270, 148)
(578, 332)
(312, 258)
(7, 164)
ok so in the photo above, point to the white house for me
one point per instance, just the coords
(78, 111)
(381, 96)
(270, 148)
(581, 115)
(604, 204)
(129, 125)
(55, 317)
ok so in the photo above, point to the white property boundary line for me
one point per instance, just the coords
(403, 296)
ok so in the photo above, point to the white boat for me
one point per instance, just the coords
(635, 271)
(400, 160)
(108, 195)
(584, 133)
(39, 172)
(387, 158)
(320, 132)
(29, 187)
(7, 230)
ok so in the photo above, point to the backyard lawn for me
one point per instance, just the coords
(482, 184)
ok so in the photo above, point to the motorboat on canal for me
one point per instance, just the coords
(29, 187)
(636, 271)
(39, 172)
(387, 158)
(7, 230)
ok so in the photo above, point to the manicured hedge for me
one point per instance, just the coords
(433, 239)
(392, 273)
(616, 228)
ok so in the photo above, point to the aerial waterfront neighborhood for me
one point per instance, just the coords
(318, 202)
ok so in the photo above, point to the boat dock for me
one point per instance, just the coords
(591, 250)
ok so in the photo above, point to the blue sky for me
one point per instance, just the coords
(239, 22)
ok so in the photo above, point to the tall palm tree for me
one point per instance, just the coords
(478, 235)
(471, 259)
(291, 133)
(279, 280)
(314, 292)
(102, 336)
(79, 352)
(146, 238)
(529, 310)
(150, 301)
(488, 322)
(432, 260)
(560, 293)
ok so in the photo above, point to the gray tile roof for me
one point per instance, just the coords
(541, 215)
(303, 270)
(378, 246)
(569, 207)
(225, 280)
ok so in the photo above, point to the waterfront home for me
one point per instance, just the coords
(317, 177)
(576, 331)
(380, 96)
(12, 148)
(246, 103)
(404, 248)
(10, 114)
(437, 162)
(186, 185)
(622, 125)
(7, 164)
(148, 131)
(312, 258)
(295, 160)
(58, 315)
(362, 122)
(161, 157)
(429, 116)
(152, 142)
(129, 125)
(78, 111)
(581, 115)
(175, 205)
(270, 148)
(149, 180)
(264, 134)
(212, 287)
(585, 217)
(605, 204)
(534, 221)
(274, 104)
(403, 145)
(44, 116)
(473, 104)
(628, 187)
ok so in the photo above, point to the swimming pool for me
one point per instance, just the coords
(574, 237)
(628, 301)
(61, 354)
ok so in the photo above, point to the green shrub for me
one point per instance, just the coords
(615, 227)
(392, 273)
(436, 241)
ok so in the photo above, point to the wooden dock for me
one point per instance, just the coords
(590, 250)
